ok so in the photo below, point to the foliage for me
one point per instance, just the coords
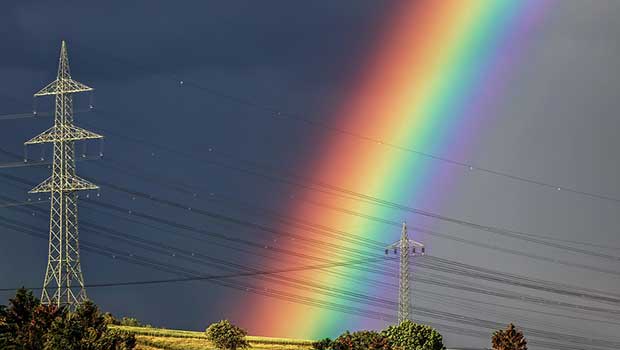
(109, 319)
(86, 329)
(260, 342)
(412, 336)
(362, 340)
(509, 339)
(130, 321)
(226, 336)
(26, 324)
(125, 321)
(323, 344)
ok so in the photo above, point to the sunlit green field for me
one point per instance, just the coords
(170, 339)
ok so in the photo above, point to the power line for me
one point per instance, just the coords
(277, 113)
(450, 316)
(38, 115)
(213, 197)
(300, 181)
(491, 229)
(479, 272)
(429, 313)
(498, 293)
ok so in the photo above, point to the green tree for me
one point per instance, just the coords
(26, 324)
(323, 344)
(110, 319)
(226, 336)
(412, 336)
(131, 322)
(509, 339)
(86, 329)
(361, 340)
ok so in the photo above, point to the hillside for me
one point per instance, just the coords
(170, 339)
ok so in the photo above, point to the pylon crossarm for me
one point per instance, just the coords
(396, 245)
(72, 183)
(63, 133)
(64, 86)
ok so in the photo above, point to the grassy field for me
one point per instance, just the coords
(171, 339)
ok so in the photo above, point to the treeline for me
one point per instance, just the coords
(26, 324)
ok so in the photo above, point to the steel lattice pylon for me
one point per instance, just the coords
(64, 283)
(407, 248)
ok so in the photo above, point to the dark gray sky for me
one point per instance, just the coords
(555, 122)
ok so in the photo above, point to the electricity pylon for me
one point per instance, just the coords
(407, 248)
(64, 283)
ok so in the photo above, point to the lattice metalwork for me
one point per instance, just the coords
(64, 283)
(406, 248)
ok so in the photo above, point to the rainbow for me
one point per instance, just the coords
(433, 70)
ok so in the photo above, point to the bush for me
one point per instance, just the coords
(86, 328)
(412, 336)
(323, 344)
(26, 324)
(226, 336)
(362, 340)
(130, 321)
(509, 339)
(109, 319)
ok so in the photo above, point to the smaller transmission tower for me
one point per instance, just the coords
(64, 283)
(407, 249)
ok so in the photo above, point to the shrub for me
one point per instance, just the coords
(509, 339)
(25, 322)
(109, 319)
(27, 325)
(362, 340)
(130, 321)
(226, 336)
(323, 344)
(86, 328)
(412, 336)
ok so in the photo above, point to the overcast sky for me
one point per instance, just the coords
(556, 122)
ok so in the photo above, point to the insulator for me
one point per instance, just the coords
(413, 250)
(91, 100)
(101, 148)
(395, 250)
(422, 250)
(386, 252)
